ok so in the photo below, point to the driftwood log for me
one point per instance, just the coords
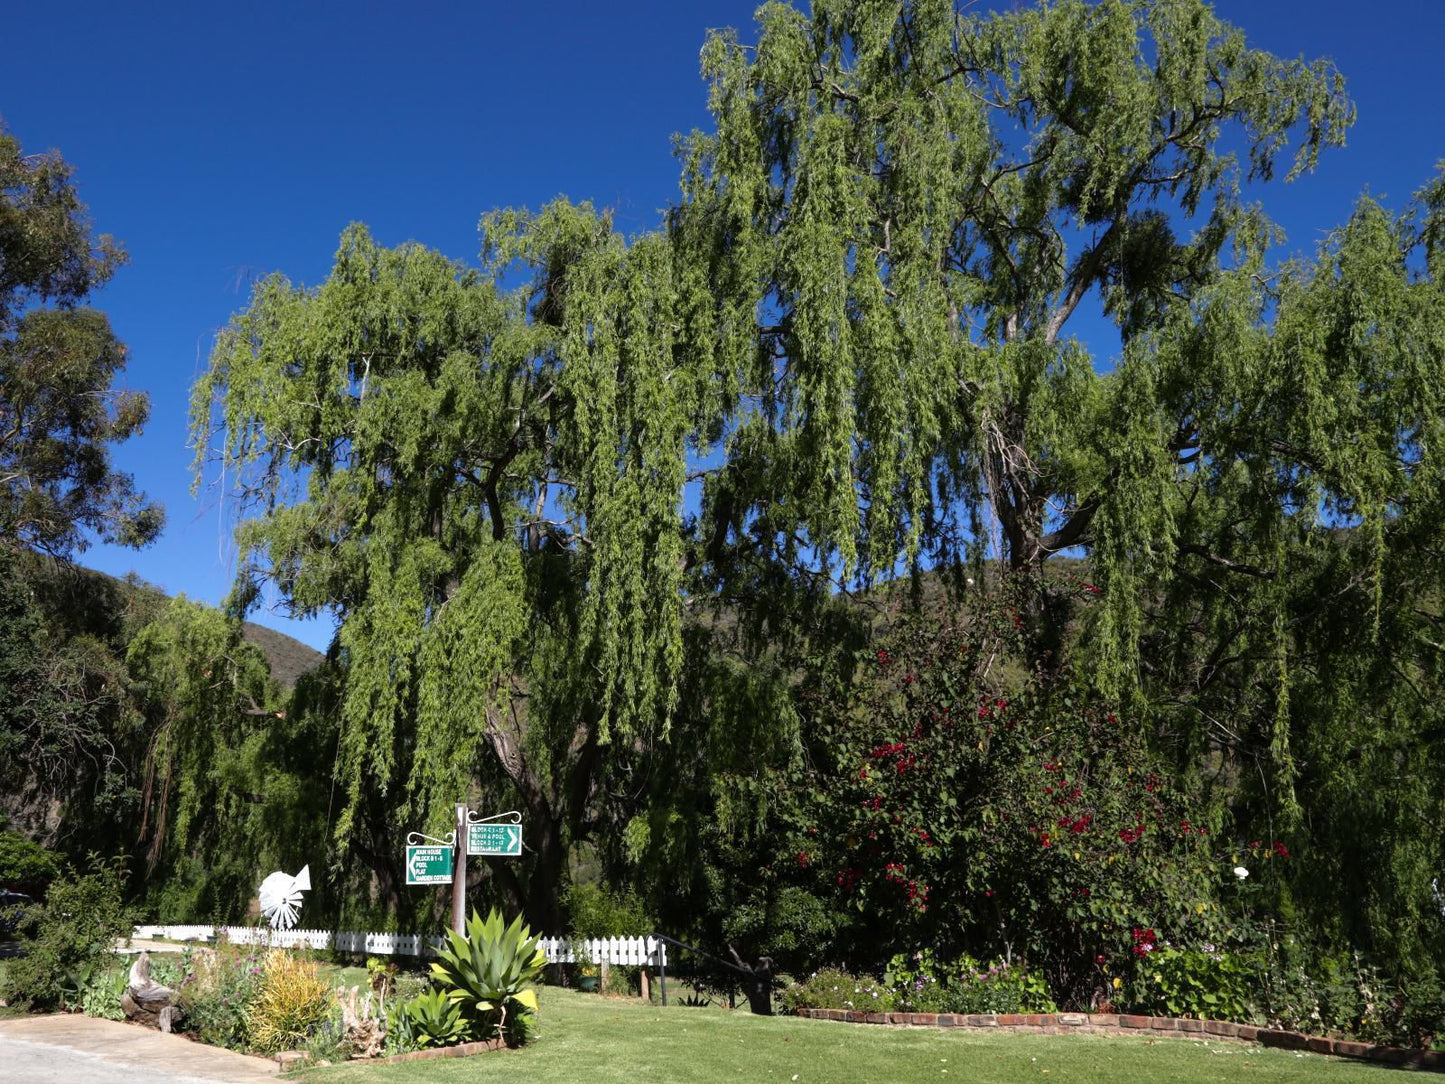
(147, 1001)
(363, 1024)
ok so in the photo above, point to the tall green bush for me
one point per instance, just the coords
(69, 937)
(25, 866)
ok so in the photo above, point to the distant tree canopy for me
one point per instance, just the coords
(589, 538)
(59, 409)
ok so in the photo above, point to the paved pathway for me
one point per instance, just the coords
(66, 1049)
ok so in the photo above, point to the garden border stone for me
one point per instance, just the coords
(461, 1050)
(1131, 1024)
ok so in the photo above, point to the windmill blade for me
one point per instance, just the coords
(280, 897)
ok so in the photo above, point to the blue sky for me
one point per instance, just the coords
(220, 142)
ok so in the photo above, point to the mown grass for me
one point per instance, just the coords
(586, 1037)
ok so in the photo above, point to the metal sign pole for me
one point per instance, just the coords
(459, 882)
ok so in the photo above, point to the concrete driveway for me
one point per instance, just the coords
(66, 1049)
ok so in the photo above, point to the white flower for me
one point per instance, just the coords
(1241, 872)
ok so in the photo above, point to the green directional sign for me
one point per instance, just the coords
(494, 839)
(428, 865)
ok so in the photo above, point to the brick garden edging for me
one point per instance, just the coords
(461, 1050)
(1066, 1023)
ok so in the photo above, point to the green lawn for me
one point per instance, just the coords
(337, 975)
(586, 1037)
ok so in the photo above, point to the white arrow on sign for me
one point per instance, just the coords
(417, 865)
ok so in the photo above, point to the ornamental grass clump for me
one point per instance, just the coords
(291, 1003)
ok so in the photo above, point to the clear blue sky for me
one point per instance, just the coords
(219, 142)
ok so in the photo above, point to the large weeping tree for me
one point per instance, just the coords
(483, 487)
(901, 212)
(901, 217)
(851, 350)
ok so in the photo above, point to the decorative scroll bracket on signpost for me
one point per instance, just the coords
(428, 859)
(414, 839)
(500, 834)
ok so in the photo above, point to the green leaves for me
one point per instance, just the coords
(434, 1019)
(492, 973)
(484, 487)
(59, 411)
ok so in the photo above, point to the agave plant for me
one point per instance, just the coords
(430, 1019)
(492, 974)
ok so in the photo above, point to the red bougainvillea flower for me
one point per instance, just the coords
(1280, 849)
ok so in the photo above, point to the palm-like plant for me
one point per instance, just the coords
(492, 974)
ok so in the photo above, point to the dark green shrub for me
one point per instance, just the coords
(25, 866)
(621, 981)
(69, 937)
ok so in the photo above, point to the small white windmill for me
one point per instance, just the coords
(280, 897)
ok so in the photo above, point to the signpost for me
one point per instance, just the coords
(431, 861)
(429, 864)
(494, 839)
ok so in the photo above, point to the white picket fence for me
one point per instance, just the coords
(628, 951)
(176, 933)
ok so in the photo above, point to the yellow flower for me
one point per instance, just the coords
(1118, 982)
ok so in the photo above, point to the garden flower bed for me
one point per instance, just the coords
(1128, 1024)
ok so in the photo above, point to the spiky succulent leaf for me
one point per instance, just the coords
(492, 971)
